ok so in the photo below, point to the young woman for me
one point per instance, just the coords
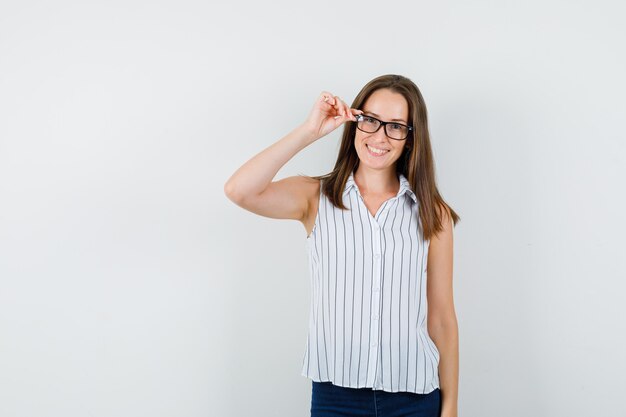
(381, 342)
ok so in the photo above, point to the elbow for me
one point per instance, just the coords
(231, 192)
(443, 332)
(446, 323)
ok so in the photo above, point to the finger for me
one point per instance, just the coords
(327, 102)
(342, 107)
(327, 97)
(345, 110)
(355, 113)
(338, 105)
(348, 113)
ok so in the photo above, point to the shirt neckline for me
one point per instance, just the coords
(405, 187)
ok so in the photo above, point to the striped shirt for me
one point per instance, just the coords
(367, 318)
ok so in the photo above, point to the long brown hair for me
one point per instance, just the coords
(416, 162)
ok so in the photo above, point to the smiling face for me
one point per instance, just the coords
(387, 106)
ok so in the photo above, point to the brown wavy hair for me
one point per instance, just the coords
(416, 162)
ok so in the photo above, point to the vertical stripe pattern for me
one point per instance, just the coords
(367, 323)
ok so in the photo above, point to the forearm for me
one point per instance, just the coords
(446, 338)
(256, 174)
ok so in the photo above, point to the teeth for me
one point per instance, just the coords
(376, 150)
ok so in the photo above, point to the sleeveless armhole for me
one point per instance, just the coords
(317, 215)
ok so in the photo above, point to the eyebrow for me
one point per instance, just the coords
(375, 115)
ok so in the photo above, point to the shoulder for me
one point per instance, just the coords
(444, 236)
(444, 212)
(311, 188)
(306, 187)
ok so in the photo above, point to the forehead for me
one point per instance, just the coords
(387, 105)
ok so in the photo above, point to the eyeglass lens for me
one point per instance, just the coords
(393, 130)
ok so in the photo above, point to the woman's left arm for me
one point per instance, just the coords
(442, 322)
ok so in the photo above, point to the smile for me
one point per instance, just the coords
(376, 151)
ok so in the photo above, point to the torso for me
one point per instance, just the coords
(372, 202)
(383, 261)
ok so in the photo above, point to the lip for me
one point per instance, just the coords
(375, 154)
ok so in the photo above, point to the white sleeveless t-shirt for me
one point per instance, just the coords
(368, 312)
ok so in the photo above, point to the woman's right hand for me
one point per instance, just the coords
(328, 113)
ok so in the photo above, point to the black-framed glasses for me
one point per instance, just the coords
(393, 130)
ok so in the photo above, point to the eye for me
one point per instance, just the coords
(369, 119)
(396, 126)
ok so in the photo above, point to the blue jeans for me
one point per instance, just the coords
(329, 400)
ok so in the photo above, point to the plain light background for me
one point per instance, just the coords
(131, 286)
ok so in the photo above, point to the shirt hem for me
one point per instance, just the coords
(312, 378)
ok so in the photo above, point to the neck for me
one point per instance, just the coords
(378, 182)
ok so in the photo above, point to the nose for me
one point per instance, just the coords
(380, 136)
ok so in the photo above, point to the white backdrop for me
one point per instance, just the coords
(131, 286)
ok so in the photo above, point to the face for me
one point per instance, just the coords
(386, 106)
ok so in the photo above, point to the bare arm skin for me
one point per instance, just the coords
(442, 322)
(251, 186)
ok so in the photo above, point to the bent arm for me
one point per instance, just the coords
(253, 177)
(251, 187)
